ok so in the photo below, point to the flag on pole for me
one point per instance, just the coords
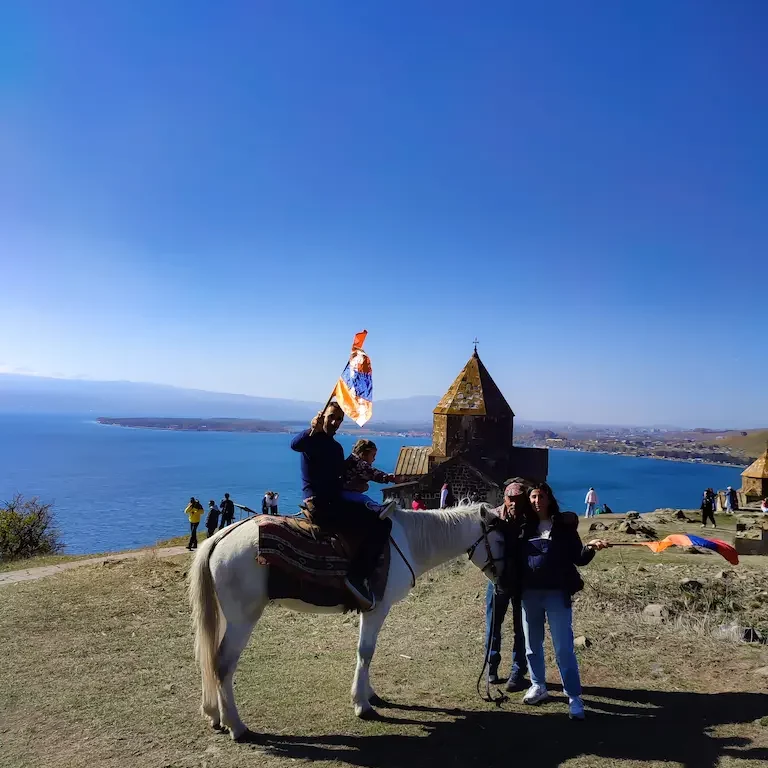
(354, 389)
(689, 540)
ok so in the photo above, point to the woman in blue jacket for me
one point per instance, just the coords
(550, 551)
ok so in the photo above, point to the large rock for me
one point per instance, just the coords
(635, 527)
(655, 613)
(691, 585)
(632, 516)
(598, 527)
(582, 642)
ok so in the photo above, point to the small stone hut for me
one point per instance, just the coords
(754, 483)
(472, 446)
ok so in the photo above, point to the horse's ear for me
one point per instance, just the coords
(484, 511)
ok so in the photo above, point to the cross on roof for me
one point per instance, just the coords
(475, 342)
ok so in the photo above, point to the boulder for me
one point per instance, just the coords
(634, 527)
(680, 515)
(598, 527)
(691, 585)
(655, 613)
(582, 642)
(632, 516)
(762, 671)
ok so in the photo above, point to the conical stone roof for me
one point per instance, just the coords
(758, 468)
(473, 393)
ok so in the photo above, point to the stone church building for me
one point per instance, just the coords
(472, 446)
(754, 484)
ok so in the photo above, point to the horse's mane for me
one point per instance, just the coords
(433, 530)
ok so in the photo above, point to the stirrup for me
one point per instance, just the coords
(363, 601)
(387, 509)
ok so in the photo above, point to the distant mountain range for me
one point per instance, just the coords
(37, 394)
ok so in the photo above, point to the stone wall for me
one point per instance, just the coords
(752, 546)
(464, 482)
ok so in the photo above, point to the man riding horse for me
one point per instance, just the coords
(322, 469)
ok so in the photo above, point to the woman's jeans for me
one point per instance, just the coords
(493, 631)
(555, 605)
(590, 509)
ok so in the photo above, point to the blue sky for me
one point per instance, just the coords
(218, 195)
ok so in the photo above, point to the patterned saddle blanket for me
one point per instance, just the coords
(308, 564)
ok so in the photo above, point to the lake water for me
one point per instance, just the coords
(115, 488)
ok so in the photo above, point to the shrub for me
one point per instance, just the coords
(27, 528)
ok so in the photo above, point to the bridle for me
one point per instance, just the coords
(486, 528)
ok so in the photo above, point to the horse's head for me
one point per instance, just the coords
(487, 552)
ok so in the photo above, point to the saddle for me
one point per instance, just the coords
(309, 564)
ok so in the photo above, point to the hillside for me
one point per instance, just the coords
(38, 394)
(752, 444)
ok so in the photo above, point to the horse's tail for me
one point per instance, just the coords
(205, 620)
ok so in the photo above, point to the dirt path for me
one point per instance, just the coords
(30, 574)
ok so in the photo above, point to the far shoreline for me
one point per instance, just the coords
(290, 428)
(655, 458)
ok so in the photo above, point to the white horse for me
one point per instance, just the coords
(227, 582)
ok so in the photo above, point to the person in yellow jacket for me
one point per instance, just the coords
(194, 512)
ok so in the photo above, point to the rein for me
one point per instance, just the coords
(405, 560)
(489, 565)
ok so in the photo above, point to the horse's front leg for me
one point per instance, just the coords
(370, 626)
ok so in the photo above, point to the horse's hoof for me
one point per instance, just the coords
(369, 713)
(215, 724)
(238, 733)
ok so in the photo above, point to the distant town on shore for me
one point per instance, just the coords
(729, 447)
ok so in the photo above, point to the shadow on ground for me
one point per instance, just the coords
(629, 725)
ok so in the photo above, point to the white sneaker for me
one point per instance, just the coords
(576, 708)
(535, 695)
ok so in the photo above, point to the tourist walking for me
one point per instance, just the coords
(552, 550)
(212, 521)
(418, 503)
(731, 501)
(227, 511)
(447, 499)
(591, 501)
(707, 509)
(514, 511)
(194, 512)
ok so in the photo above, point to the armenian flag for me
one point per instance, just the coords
(686, 540)
(354, 389)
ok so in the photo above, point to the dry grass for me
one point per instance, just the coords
(98, 671)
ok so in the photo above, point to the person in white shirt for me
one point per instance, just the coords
(269, 503)
(591, 502)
